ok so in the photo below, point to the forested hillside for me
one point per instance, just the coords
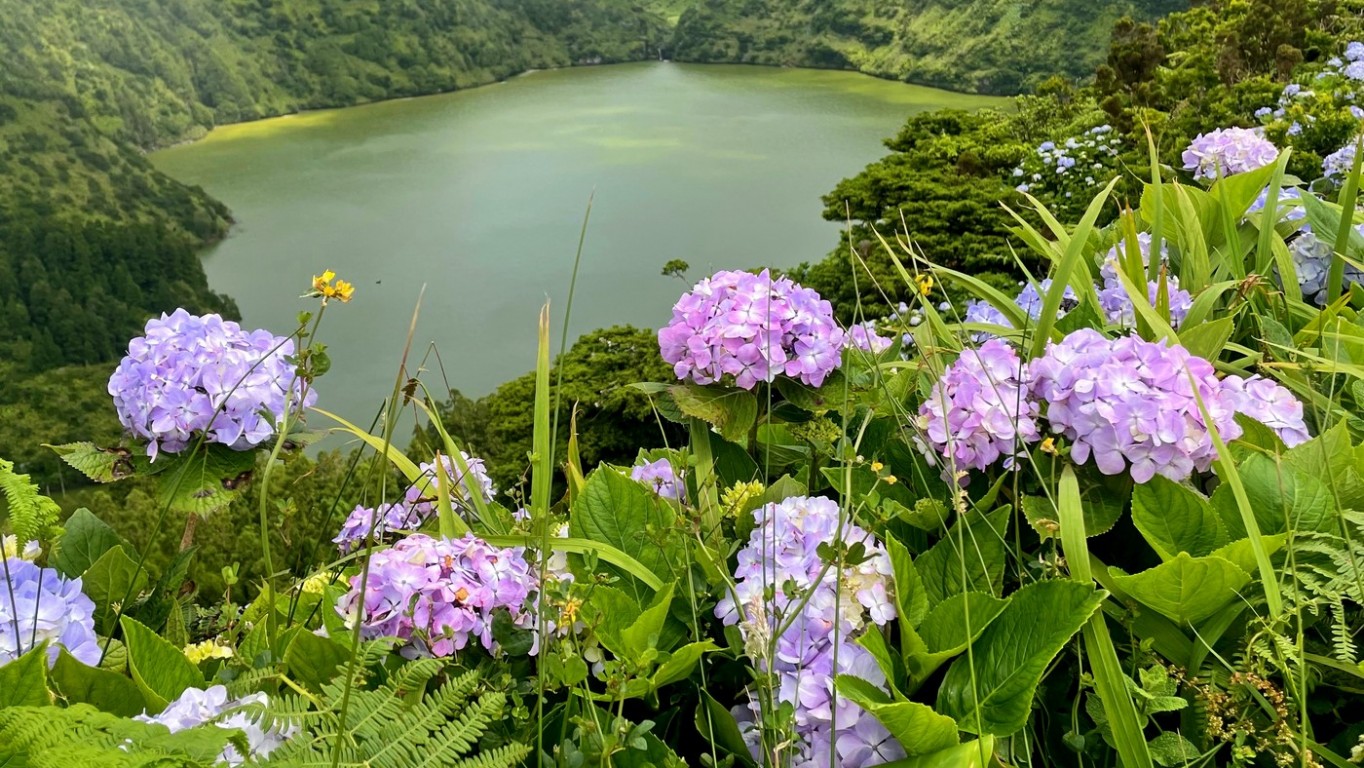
(991, 46)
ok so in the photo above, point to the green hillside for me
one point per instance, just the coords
(990, 46)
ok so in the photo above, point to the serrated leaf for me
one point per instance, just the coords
(919, 729)
(114, 581)
(101, 465)
(991, 692)
(972, 754)
(159, 668)
(646, 631)
(1185, 589)
(312, 660)
(23, 682)
(1172, 750)
(973, 551)
(680, 663)
(1282, 497)
(717, 726)
(1174, 518)
(618, 511)
(732, 412)
(206, 480)
(86, 539)
(952, 625)
(1242, 553)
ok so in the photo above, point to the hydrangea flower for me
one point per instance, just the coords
(1228, 151)
(781, 571)
(437, 595)
(192, 375)
(863, 337)
(197, 707)
(1129, 404)
(747, 328)
(1114, 299)
(1269, 403)
(660, 478)
(40, 605)
(1030, 299)
(392, 518)
(1337, 165)
(421, 495)
(979, 410)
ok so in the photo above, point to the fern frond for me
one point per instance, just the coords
(31, 514)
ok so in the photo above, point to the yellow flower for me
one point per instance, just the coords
(208, 649)
(925, 284)
(323, 286)
(877, 466)
(320, 282)
(344, 290)
(891, 480)
(1049, 446)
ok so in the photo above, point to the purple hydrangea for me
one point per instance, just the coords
(392, 518)
(863, 337)
(1030, 299)
(1337, 165)
(421, 496)
(1114, 299)
(197, 707)
(979, 410)
(39, 605)
(1269, 403)
(747, 328)
(660, 478)
(782, 581)
(193, 375)
(436, 595)
(1228, 151)
(1129, 404)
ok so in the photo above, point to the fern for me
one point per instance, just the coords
(1327, 573)
(56, 737)
(31, 515)
(391, 726)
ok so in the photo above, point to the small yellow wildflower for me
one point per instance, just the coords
(208, 649)
(324, 287)
(925, 283)
(316, 584)
(877, 466)
(570, 612)
(738, 496)
(891, 479)
(1049, 446)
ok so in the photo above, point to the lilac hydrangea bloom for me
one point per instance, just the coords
(1114, 299)
(422, 494)
(1029, 299)
(1355, 51)
(193, 375)
(1269, 403)
(659, 476)
(197, 707)
(863, 337)
(40, 605)
(1129, 404)
(780, 571)
(747, 328)
(437, 595)
(1337, 165)
(392, 518)
(979, 410)
(1228, 151)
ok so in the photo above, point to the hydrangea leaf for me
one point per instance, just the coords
(618, 511)
(102, 465)
(1170, 750)
(1331, 454)
(109, 691)
(646, 632)
(972, 754)
(919, 729)
(980, 543)
(1101, 512)
(1174, 518)
(112, 582)
(945, 632)
(23, 682)
(910, 597)
(717, 725)
(86, 539)
(313, 660)
(159, 668)
(991, 691)
(732, 412)
(680, 663)
(205, 481)
(1281, 497)
(1185, 589)
(1242, 553)
(1206, 340)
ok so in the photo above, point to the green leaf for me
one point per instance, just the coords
(23, 682)
(1185, 589)
(313, 660)
(159, 668)
(1011, 655)
(86, 539)
(645, 632)
(101, 465)
(945, 632)
(919, 729)
(113, 579)
(972, 754)
(206, 480)
(874, 641)
(618, 511)
(974, 549)
(910, 597)
(732, 412)
(927, 514)
(1174, 518)
(1282, 498)
(1101, 512)
(30, 514)
(1172, 750)
(1206, 340)
(717, 725)
(680, 663)
(1242, 552)
(109, 691)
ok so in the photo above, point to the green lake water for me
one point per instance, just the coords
(479, 196)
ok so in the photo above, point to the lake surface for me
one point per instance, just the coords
(480, 196)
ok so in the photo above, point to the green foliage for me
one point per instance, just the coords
(31, 516)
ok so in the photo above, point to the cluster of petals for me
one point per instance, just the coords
(1228, 151)
(782, 581)
(747, 328)
(660, 477)
(1337, 165)
(419, 503)
(979, 410)
(864, 338)
(39, 605)
(438, 595)
(1030, 299)
(197, 707)
(1116, 302)
(192, 375)
(1134, 406)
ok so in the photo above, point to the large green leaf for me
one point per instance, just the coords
(646, 632)
(910, 597)
(102, 465)
(616, 510)
(87, 538)
(1242, 552)
(23, 682)
(206, 480)
(717, 726)
(159, 668)
(1282, 497)
(312, 660)
(991, 690)
(1185, 589)
(113, 581)
(109, 691)
(732, 412)
(680, 663)
(919, 729)
(1174, 518)
(952, 625)
(972, 754)
(973, 551)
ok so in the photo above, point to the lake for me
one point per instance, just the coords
(480, 196)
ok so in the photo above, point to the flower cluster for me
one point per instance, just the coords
(193, 375)
(438, 594)
(1030, 299)
(783, 580)
(1069, 170)
(863, 337)
(325, 288)
(197, 707)
(1134, 405)
(1228, 151)
(1314, 116)
(1337, 165)
(1117, 303)
(747, 328)
(661, 478)
(39, 605)
(979, 410)
(419, 503)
